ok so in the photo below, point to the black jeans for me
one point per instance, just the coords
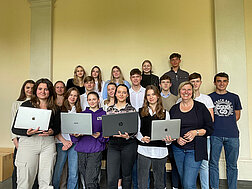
(120, 160)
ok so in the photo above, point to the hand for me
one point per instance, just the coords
(146, 139)
(181, 141)
(47, 133)
(96, 135)
(168, 139)
(15, 142)
(190, 135)
(33, 131)
(66, 145)
(76, 135)
(125, 135)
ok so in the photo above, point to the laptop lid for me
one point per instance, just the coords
(162, 128)
(32, 118)
(76, 123)
(124, 122)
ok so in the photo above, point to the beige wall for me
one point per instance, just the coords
(124, 33)
(14, 58)
(248, 35)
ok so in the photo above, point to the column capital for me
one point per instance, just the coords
(41, 3)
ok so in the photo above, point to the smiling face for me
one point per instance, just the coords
(121, 94)
(93, 101)
(152, 98)
(28, 89)
(146, 67)
(111, 90)
(42, 91)
(186, 92)
(95, 73)
(221, 84)
(80, 72)
(136, 79)
(59, 88)
(72, 98)
(116, 73)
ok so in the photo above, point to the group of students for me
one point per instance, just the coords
(129, 155)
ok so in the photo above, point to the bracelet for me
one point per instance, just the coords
(197, 132)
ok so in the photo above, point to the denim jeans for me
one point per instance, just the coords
(231, 148)
(187, 167)
(204, 169)
(62, 156)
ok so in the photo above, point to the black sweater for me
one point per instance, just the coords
(204, 121)
(54, 123)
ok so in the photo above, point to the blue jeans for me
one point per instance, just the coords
(231, 148)
(62, 156)
(204, 169)
(187, 167)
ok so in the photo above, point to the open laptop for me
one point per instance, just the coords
(32, 118)
(125, 122)
(162, 128)
(76, 123)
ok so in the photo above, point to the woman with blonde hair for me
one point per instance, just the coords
(78, 80)
(115, 77)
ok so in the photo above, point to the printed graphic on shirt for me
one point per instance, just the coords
(223, 108)
(99, 118)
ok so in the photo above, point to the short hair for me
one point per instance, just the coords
(173, 55)
(183, 84)
(194, 76)
(135, 71)
(165, 77)
(89, 78)
(221, 74)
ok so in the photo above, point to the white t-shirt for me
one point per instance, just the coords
(137, 98)
(96, 87)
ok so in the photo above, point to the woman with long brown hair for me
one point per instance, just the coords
(151, 152)
(36, 151)
(97, 75)
(78, 80)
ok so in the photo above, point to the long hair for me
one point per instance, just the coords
(63, 85)
(99, 78)
(22, 95)
(107, 101)
(51, 98)
(75, 79)
(121, 78)
(128, 98)
(66, 106)
(159, 107)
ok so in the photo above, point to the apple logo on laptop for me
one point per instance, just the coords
(120, 123)
(33, 118)
(166, 130)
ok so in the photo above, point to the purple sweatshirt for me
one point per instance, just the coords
(87, 143)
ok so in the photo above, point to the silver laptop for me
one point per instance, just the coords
(32, 118)
(162, 128)
(125, 122)
(76, 123)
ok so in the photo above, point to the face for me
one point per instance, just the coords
(221, 83)
(72, 97)
(121, 94)
(28, 89)
(95, 73)
(175, 62)
(111, 90)
(116, 73)
(80, 72)
(42, 91)
(93, 101)
(135, 79)
(186, 92)
(146, 67)
(165, 84)
(196, 83)
(89, 85)
(151, 97)
(59, 88)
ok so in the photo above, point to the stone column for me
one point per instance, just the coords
(41, 39)
(231, 58)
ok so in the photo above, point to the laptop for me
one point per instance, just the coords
(125, 122)
(32, 118)
(162, 128)
(76, 123)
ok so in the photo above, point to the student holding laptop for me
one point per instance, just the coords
(64, 146)
(152, 152)
(36, 152)
(122, 148)
(90, 147)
